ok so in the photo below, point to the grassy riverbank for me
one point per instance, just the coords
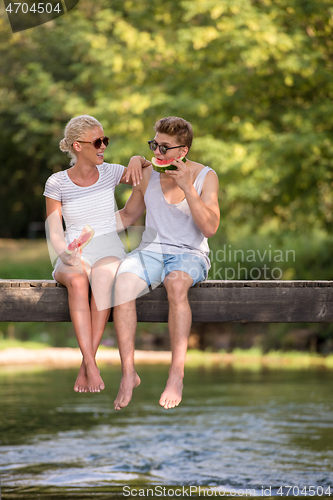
(15, 352)
(24, 259)
(255, 359)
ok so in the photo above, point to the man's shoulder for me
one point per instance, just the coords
(202, 170)
(195, 165)
(211, 173)
(198, 167)
(146, 174)
(210, 182)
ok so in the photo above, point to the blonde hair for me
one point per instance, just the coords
(74, 131)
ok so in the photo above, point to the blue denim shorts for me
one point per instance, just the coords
(154, 267)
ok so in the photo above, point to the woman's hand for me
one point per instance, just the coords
(71, 259)
(134, 169)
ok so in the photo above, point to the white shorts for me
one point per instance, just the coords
(104, 245)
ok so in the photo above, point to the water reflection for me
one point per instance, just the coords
(234, 429)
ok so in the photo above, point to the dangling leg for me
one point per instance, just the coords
(102, 280)
(128, 287)
(77, 284)
(177, 284)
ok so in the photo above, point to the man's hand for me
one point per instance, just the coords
(181, 176)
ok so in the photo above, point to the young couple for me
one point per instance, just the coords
(181, 213)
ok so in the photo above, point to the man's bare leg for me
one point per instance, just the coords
(177, 284)
(102, 279)
(128, 287)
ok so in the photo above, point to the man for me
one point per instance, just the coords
(182, 212)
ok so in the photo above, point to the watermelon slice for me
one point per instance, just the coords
(86, 235)
(162, 165)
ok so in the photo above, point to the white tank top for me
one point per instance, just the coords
(176, 230)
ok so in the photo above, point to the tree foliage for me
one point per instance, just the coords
(253, 77)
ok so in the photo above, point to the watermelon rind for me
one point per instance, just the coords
(85, 237)
(162, 169)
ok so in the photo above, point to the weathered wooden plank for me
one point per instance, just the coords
(34, 304)
(252, 304)
(5, 284)
(203, 284)
(27, 283)
(211, 301)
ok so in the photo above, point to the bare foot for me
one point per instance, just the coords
(127, 384)
(172, 394)
(94, 380)
(81, 383)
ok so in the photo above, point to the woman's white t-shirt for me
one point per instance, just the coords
(93, 205)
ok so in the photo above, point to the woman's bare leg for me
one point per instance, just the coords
(77, 283)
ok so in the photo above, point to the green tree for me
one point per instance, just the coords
(254, 78)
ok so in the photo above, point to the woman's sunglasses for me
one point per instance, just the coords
(98, 142)
(163, 149)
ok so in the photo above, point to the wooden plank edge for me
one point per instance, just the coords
(17, 283)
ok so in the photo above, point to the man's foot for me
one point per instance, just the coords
(94, 380)
(172, 394)
(127, 384)
(81, 383)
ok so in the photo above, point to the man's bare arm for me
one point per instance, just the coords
(205, 209)
(134, 208)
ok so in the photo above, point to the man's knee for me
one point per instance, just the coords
(127, 288)
(177, 286)
(103, 277)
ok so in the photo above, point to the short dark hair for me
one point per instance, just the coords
(173, 125)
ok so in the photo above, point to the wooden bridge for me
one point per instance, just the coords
(211, 301)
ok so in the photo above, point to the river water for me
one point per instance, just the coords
(234, 431)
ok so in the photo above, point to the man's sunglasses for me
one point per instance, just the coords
(163, 149)
(98, 142)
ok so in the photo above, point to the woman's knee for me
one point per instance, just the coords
(77, 282)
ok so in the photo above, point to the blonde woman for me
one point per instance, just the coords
(84, 195)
